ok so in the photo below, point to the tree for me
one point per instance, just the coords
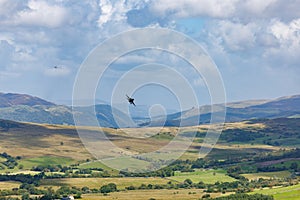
(111, 187)
(85, 189)
(294, 166)
(77, 195)
(246, 197)
(205, 196)
(25, 196)
(188, 181)
(130, 187)
(50, 195)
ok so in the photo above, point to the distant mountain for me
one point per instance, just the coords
(58, 114)
(20, 107)
(107, 116)
(281, 107)
(11, 99)
(145, 111)
(39, 114)
(237, 111)
(26, 108)
(288, 103)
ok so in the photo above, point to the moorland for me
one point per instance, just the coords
(257, 155)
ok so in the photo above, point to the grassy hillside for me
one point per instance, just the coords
(283, 107)
(32, 141)
(182, 194)
(53, 156)
(206, 176)
(282, 193)
(98, 182)
(35, 143)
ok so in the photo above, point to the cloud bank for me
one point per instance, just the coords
(255, 44)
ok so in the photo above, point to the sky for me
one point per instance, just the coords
(255, 45)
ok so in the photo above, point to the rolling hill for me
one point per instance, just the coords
(237, 111)
(60, 140)
(12, 99)
(25, 108)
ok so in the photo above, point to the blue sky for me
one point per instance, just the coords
(255, 44)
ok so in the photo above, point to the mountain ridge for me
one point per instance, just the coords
(287, 106)
(11, 99)
(26, 108)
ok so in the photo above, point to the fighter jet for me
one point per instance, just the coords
(130, 100)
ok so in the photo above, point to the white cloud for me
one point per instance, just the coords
(246, 10)
(191, 8)
(134, 59)
(40, 13)
(33, 13)
(275, 41)
(39, 34)
(44, 31)
(9, 7)
(115, 11)
(106, 11)
(32, 36)
(287, 10)
(288, 37)
(267, 39)
(287, 32)
(257, 6)
(236, 36)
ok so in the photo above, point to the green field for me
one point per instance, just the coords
(98, 182)
(45, 161)
(206, 176)
(97, 164)
(60, 145)
(186, 194)
(287, 163)
(282, 193)
(93, 164)
(268, 175)
(127, 162)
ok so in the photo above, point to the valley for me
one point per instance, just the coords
(149, 100)
(47, 159)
